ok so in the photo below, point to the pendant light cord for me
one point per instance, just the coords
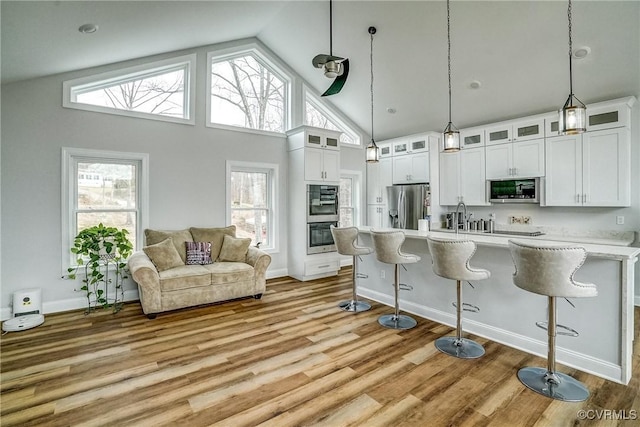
(330, 28)
(449, 56)
(570, 53)
(371, 88)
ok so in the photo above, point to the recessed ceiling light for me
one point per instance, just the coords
(391, 110)
(475, 84)
(581, 52)
(88, 28)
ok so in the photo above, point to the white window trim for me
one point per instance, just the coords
(189, 81)
(273, 170)
(357, 194)
(68, 193)
(315, 100)
(237, 52)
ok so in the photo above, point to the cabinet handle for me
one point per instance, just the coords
(577, 198)
(584, 198)
(515, 171)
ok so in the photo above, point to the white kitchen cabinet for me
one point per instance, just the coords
(378, 178)
(462, 178)
(521, 130)
(411, 169)
(591, 169)
(385, 150)
(377, 216)
(321, 165)
(472, 137)
(329, 141)
(515, 159)
(411, 145)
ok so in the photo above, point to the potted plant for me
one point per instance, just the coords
(101, 255)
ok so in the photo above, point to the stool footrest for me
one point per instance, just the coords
(362, 276)
(555, 385)
(560, 329)
(467, 307)
(405, 287)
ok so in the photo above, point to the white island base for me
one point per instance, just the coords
(508, 314)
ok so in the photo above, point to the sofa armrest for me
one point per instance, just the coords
(146, 275)
(260, 261)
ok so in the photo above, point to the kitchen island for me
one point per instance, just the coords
(507, 313)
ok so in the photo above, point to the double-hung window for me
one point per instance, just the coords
(349, 201)
(251, 201)
(103, 187)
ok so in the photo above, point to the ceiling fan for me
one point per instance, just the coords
(335, 67)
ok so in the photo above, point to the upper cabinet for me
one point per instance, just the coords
(514, 131)
(412, 169)
(411, 145)
(462, 177)
(472, 137)
(321, 152)
(603, 115)
(518, 159)
(378, 179)
(385, 150)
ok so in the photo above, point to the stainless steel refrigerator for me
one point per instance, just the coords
(407, 204)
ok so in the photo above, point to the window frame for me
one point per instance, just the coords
(149, 69)
(356, 195)
(70, 159)
(318, 104)
(263, 57)
(272, 171)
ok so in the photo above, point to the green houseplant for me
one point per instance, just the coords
(101, 255)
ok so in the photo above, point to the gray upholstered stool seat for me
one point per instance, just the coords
(388, 250)
(549, 270)
(346, 243)
(451, 261)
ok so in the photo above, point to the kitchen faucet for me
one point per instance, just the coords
(464, 217)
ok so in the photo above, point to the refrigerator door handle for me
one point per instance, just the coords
(402, 210)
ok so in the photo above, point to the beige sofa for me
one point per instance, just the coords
(166, 281)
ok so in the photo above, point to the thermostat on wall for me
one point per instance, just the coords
(22, 323)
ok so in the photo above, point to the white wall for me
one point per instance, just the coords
(34, 128)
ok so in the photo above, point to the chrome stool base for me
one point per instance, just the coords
(568, 388)
(397, 322)
(462, 348)
(354, 306)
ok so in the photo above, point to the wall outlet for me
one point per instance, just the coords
(620, 220)
(382, 274)
(526, 220)
(519, 219)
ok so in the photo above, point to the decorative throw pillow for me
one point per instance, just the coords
(234, 249)
(198, 253)
(179, 238)
(163, 255)
(213, 235)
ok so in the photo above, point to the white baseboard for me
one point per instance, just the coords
(566, 357)
(281, 272)
(636, 301)
(68, 304)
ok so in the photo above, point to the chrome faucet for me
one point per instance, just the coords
(464, 217)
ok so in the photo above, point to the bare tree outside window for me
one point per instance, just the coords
(250, 206)
(248, 94)
(317, 118)
(161, 94)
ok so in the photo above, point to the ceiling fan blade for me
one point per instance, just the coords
(339, 82)
(321, 59)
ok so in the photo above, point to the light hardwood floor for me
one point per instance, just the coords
(290, 359)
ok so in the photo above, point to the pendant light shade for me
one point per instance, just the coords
(572, 117)
(372, 151)
(450, 135)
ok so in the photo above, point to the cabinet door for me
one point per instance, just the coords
(385, 178)
(385, 150)
(401, 147)
(402, 169)
(472, 138)
(563, 183)
(331, 165)
(528, 158)
(419, 168)
(373, 183)
(377, 216)
(332, 142)
(472, 177)
(313, 169)
(499, 161)
(314, 140)
(418, 145)
(498, 134)
(449, 178)
(606, 168)
(528, 129)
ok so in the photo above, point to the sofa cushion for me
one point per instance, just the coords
(179, 237)
(184, 277)
(213, 235)
(234, 249)
(229, 272)
(163, 255)
(198, 253)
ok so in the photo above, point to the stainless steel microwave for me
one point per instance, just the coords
(522, 190)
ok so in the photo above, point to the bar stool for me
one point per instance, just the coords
(388, 250)
(451, 261)
(549, 271)
(345, 239)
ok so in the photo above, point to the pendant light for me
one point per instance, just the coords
(372, 151)
(573, 116)
(451, 134)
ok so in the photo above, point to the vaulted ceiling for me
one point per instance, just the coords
(516, 50)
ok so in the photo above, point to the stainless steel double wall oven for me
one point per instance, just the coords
(322, 212)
